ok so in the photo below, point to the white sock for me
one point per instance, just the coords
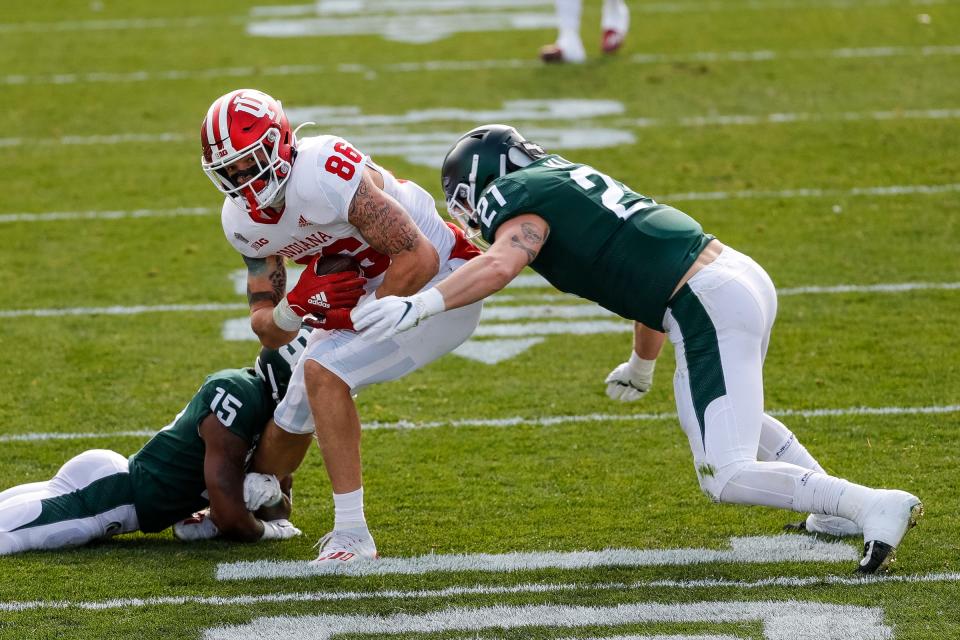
(820, 493)
(615, 16)
(568, 16)
(348, 510)
(778, 444)
(767, 484)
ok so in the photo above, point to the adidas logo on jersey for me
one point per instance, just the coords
(303, 222)
(319, 299)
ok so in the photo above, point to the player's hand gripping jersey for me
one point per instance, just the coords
(324, 180)
(606, 243)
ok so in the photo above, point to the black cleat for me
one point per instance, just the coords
(877, 557)
(800, 527)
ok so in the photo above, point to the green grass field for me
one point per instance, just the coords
(819, 137)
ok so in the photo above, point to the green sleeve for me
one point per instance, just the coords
(505, 199)
(236, 402)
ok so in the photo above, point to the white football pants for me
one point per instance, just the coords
(360, 362)
(719, 323)
(90, 497)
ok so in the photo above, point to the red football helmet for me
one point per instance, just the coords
(248, 149)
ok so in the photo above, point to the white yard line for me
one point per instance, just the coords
(689, 196)
(560, 311)
(549, 421)
(91, 435)
(204, 22)
(58, 216)
(516, 421)
(422, 146)
(429, 66)
(745, 550)
(789, 194)
(779, 620)
(121, 311)
(479, 590)
(792, 118)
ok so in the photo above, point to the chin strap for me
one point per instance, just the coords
(268, 214)
(308, 123)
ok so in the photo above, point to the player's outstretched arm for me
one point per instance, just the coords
(517, 244)
(388, 228)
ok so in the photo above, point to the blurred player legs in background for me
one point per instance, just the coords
(615, 22)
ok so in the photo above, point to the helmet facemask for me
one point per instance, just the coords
(462, 204)
(267, 170)
(248, 127)
(275, 366)
(462, 199)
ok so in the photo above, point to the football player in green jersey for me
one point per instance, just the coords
(591, 235)
(199, 460)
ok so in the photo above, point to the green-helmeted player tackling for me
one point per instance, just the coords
(591, 235)
(199, 460)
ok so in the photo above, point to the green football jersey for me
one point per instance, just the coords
(167, 473)
(607, 243)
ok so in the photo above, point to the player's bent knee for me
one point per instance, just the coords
(281, 450)
(714, 479)
(319, 377)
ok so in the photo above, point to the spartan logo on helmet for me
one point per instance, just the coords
(275, 366)
(478, 158)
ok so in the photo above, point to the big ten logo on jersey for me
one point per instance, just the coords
(371, 261)
(254, 106)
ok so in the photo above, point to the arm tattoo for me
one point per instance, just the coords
(273, 269)
(256, 266)
(253, 297)
(532, 235)
(531, 242)
(516, 241)
(383, 225)
(278, 278)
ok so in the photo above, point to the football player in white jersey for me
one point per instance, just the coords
(614, 22)
(290, 199)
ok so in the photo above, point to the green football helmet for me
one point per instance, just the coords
(478, 158)
(275, 366)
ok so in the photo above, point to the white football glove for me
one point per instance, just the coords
(199, 526)
(631, 380)
(380, 319)
(261, 490)
(279, 530)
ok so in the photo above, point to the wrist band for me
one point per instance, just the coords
(284, 317)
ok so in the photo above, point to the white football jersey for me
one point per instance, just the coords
(324, 179)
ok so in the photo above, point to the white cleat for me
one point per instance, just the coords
(567, 49)
(615, 22)
(887, 518)
(612, 40)
(831, 526)
(343, 546)
(822, 525)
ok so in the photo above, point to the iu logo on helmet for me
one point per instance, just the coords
(252, 105)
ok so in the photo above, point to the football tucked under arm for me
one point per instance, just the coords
(322, 297)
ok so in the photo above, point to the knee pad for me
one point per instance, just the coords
(713, 479)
